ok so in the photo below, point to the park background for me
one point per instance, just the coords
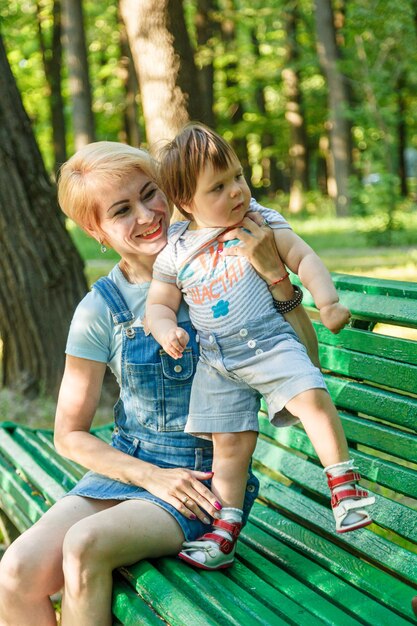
(319, 100)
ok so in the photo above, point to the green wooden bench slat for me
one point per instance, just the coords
(381, 471)
(393, 348)
(386, 405)
(164, 598)
(381, 437)
(399, 309)
(207, 588)
(29, 501)
(13, 512)
(35, 474)
(299, 548)
(46, 457)
(385, 512)
(371, 546)
(128, 607)
(357, 606)
(369, 368)
(295, 589)
(277, 601)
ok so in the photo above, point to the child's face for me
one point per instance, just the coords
(221, 198)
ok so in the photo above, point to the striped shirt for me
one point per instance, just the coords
(220, 290)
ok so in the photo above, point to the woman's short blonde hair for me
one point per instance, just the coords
(183, 158)
(94, 164)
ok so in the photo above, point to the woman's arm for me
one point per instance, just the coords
(77, 403)
(259, 247)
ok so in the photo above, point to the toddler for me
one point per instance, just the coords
(247, 349)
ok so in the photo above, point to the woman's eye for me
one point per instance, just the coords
(121, 211)
(150, 193)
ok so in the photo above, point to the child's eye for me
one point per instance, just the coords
(218, 187)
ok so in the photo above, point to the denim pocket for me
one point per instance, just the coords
(160, 392)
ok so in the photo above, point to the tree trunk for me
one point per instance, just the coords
(164, 103)
(205, 30)
(188, 80)
(41, 273)
(52, 63)
(236, 110)
(79, 82)
(131, 86)
(339, 130)
(294, 115)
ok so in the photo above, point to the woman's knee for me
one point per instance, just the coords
(84, 553)
(19, 568)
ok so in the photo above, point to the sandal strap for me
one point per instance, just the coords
(348, 477)
(347, 494)
(225, 545)
(233, 528)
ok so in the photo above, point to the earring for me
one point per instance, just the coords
(103, 249)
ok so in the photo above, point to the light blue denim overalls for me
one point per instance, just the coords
(151, 412)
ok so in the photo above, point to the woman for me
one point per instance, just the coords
(149, 491)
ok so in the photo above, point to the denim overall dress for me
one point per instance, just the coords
(151, 412)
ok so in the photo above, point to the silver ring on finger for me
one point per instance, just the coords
(264, 223)
(185, 500)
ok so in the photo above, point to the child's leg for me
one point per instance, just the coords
(323, 426)
(232, 454)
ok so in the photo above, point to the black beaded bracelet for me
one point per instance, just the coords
(285, 306)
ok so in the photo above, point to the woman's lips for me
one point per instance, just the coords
(152, 233)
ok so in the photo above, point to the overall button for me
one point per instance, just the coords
(250, 488)
(243, 332)
(177, 368)
(251, 343)
(197, 338)
(259, 351)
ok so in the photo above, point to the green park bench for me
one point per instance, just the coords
(291, 566)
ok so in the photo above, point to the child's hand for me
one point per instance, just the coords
(335, 316)
(175, 341)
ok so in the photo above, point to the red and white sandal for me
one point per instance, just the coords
(218, 551)
(349, 502)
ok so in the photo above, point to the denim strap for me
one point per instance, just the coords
(115, 301)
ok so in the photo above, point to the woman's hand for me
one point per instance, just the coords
(257, 245)
(183, 489)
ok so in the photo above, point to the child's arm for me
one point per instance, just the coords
(162, 305)
(302, 260)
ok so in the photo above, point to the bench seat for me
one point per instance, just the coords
(291, 566)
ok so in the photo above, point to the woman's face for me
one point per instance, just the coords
(133, 215)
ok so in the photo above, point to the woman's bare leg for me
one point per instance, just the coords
(31, 568)
(95, 546)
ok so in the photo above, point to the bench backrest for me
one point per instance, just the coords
(372, 378)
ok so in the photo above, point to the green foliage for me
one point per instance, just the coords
(248, 45)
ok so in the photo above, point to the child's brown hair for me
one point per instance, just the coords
(183, 158)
